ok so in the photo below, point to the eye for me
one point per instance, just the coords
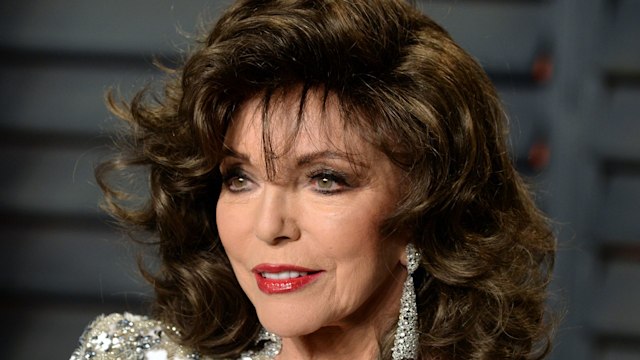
(235, 180)
(237, 183)
(325, 183)
(328, 182)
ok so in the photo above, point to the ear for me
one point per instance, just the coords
(403, 238)
(403, 255)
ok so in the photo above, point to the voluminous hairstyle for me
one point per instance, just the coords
(407, 89)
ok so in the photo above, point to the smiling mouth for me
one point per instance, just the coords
(284, 275)
(280, 279)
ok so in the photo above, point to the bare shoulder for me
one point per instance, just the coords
(126, 336)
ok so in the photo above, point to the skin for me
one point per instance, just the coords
(322, 210)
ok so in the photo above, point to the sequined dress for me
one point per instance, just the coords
(133, 337)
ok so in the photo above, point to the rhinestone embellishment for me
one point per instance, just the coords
(129, 337)
(405, 344)
(271, 348)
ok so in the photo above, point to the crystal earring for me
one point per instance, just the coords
(405, 344)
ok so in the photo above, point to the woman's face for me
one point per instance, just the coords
(305, 244)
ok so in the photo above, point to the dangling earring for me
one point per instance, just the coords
(405, 344)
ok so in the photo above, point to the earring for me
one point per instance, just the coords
(405, 344)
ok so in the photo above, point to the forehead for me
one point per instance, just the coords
(290, 123)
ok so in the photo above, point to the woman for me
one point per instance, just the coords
(329, 180)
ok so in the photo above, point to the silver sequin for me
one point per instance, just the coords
(130, 337)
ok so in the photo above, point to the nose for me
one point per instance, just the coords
(276, 220)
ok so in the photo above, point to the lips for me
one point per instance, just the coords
(278, 279)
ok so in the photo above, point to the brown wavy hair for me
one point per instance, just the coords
(411, 92)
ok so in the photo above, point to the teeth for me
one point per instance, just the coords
(283, 275)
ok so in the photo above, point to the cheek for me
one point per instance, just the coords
(352, 227)
(222, 220)
(357, 244)
(351, 237)
(230, 227)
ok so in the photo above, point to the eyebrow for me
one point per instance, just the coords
(228, 151)
(303, 159)
(308, 158)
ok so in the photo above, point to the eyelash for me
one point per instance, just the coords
(335, 176)
(234, 173)
(339, 178)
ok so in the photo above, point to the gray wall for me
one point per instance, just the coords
(568, 71)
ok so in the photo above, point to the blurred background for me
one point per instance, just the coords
(568, 72)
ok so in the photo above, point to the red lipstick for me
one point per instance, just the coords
(278, 279)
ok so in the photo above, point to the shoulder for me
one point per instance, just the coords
(127, 337)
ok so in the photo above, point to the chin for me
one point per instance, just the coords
(285, 321)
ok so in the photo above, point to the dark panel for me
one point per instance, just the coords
(618, 135)
(618, 220)
(528, 117)
(69, 261)
(621, 354)
(63, 96)
(630, 351)
(622, 48)
(616, 311)
(49, 180)
(119, 26)
(505, 36)
(36, 330)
